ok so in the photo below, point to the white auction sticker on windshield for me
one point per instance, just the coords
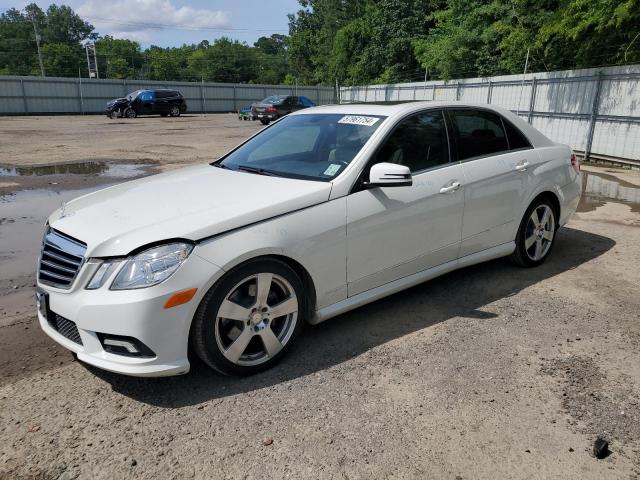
(332, 169)
(358, 120)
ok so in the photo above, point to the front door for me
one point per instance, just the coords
(393, 232)
(147, 102)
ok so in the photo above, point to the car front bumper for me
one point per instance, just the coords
(139, 314)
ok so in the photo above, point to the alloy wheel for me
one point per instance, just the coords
(256, 319)
(539, 232)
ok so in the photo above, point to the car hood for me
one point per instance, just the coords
(116, 100)
(191, 203)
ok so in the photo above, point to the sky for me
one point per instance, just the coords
(169, 23)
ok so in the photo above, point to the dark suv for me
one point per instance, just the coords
(276, 106)
(148, 102)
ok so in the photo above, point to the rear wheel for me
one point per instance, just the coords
(264, 121)
(247, 321)
(536, 234)
(174, 111)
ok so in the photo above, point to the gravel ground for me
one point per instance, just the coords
(489, 372)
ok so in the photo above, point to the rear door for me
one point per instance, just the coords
(163, 101)
(393, 232)
(495, 177)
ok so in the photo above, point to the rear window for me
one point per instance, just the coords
(517, 140)
(166, 93)
(478, 133)
(273, 99)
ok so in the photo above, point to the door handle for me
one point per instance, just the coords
(451, 188)
(521, 167)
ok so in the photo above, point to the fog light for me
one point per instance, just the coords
(127, 346)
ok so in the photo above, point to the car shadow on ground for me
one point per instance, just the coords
(461, 293)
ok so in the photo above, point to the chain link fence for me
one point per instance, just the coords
(596, 112)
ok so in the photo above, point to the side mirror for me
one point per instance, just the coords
(389, 175)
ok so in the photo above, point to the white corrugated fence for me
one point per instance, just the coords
(596, 111)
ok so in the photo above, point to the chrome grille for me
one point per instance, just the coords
(60, 259)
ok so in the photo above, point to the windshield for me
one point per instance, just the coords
(313, 147)
(273, 99)
(133, 95)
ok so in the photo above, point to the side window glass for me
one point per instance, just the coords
(516, 139)
(147, 96)
(478, 133)
(419, 142)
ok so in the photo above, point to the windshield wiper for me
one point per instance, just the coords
(220, 165)
(259, 171)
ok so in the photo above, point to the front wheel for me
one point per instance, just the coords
(174, 111)
(247, 321)
(536, 234)
(130, 113)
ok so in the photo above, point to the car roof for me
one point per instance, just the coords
(400, 109)
(388, 109)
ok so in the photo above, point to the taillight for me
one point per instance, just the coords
(271, 109)
(575, 163)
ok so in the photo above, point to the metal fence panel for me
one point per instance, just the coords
(620, 96)
(607, 136)
(474, 93)
(594, 111)
(74, 95)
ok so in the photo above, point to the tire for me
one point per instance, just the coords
(130, 113)
(174, 111)
(534, 242)
(237, 344)
(264, 121)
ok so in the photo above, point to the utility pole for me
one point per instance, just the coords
(35, 31)
(524, 74)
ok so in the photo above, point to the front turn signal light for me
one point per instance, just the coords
(179, 298)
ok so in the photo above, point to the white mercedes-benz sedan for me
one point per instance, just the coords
(325, 210)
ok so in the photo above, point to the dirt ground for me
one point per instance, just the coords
(490, 372)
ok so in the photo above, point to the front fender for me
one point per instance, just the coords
(314, 237)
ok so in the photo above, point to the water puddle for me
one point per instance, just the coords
(22, 219)
(600, 188)
(103, 169)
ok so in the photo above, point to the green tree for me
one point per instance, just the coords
(165, 63)
(271, 59)
(118, 58)
(584, 33)
(17, 44)
(465, 40)
(62, 59)
(63, 25)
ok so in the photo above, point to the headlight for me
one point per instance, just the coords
(152, 266)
